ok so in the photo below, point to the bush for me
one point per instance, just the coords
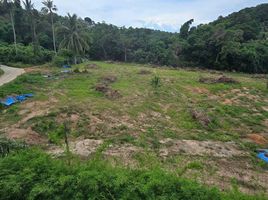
(59, 61)
(25, 54)
(31, 174)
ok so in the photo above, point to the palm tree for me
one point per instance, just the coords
(9, 4)
(74, 37)
(29, 7)
(49, 9)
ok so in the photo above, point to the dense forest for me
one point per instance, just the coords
(238, 42)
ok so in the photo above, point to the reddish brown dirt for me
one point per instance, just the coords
(26, 135)
(198, 90)
(258, 139)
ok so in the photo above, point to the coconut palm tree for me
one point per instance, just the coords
(9, 4)
(29, 7)
(50, 8)
(75, 38)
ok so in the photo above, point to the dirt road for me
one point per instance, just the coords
(10, 74)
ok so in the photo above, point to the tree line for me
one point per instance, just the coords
(238, 42)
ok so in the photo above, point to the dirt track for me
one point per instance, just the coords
(10, 73)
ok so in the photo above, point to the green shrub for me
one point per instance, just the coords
(156, 82)
(31, 174)
(25, 54)
(59, 61)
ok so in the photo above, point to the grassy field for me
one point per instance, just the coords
(142, 116)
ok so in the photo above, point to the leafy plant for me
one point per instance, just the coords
(156, 82)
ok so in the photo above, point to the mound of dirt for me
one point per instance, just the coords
(113, 94)
(92, 66)
(200, 148)
(144, 72)
(103, 88)
(107, 91)
(221, 79)
(201, 117)
(109, 79)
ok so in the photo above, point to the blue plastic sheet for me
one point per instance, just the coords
(263, 157)
(9, 101)
(14, 99)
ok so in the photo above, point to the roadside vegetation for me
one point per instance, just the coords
(1, 72)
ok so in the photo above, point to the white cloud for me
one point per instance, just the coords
(159, 14)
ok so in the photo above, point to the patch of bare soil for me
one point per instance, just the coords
(199, 90)
(144, 72)
(92, 66)
(81, 147)
(259, 76)
(258, 139)
(201, 117)
(36, 69)
(200, 148)
(220, 79)
(123, 152)
(26, 135)
(109, 79)
(33, 109)
(249, 179)
(85, 147)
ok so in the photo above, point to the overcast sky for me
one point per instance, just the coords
(167, 15)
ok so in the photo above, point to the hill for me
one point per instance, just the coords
(237, 42)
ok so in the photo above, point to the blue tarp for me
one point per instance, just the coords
(263, 157)
(9, 101)
(14, 99)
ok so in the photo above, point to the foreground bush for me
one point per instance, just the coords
(34, 175)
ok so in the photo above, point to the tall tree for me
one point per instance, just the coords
(75, 38)
(29, 7)
(184, 31)
(9, 4)
(50, 8)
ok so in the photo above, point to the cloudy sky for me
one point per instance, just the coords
(166, 15)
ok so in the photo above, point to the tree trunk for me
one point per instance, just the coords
(75, 59)
(14, 32)
(104, 52)
(125, 54)
(35, 39)
(66, 132)
(53, 33)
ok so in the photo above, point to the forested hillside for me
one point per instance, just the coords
(236, 42)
